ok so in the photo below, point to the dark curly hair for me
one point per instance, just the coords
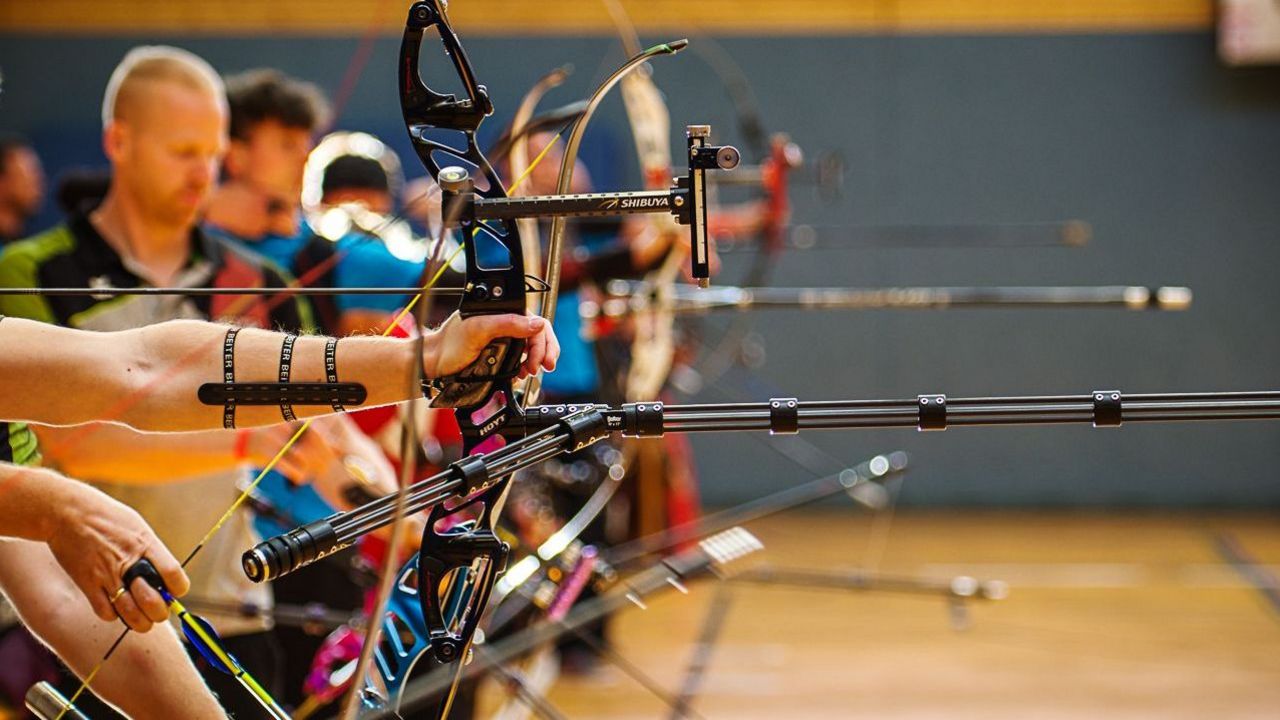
(259, 95)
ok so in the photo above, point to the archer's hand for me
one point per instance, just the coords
(302, 463)
(98, 539)
(459, 342)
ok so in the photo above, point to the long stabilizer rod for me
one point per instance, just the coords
(549, 430)
(625, 297)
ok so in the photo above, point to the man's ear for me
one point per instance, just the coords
(236, 162)
(115, 140)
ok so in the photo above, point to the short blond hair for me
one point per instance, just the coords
(152, 63)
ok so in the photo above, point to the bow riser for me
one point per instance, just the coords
(494, 285)
(458, 565)
(433, 608)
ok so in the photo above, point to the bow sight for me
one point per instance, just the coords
(686, 200)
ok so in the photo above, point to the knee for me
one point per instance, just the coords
(58, 611)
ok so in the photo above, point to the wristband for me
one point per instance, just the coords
(286, 367)
(240, 450)
(229, 377)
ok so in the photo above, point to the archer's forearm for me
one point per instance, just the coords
(384, 366)
(181, 356)
(148, 377)
(30, 499)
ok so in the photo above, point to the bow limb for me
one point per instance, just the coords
(518, 165)
(435, 597)
(650, 121)
(653, 333)
(556, 245)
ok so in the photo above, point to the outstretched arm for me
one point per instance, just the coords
(148, 377)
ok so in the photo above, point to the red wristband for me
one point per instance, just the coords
(240, 450)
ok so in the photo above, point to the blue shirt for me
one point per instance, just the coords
(363, 262)
(576, 373)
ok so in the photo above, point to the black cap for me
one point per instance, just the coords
(348, 172)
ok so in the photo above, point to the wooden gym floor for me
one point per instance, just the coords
(1109, 615)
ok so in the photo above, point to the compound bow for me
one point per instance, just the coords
(433, 607)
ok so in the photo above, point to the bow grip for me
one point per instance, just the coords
(297, 548)
(473, 385)
(490, 290)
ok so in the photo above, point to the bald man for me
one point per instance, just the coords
(164, 132)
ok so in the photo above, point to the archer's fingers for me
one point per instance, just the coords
(488, 327)
(553, 350)
(100, 601)
(535, 352)
(147, 600)
(128, 611)
(543, 351)
(170, 571)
